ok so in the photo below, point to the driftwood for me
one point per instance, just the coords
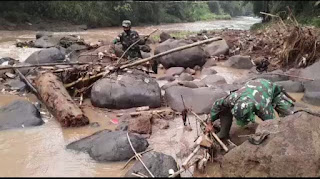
(225, 148)
(58, 101)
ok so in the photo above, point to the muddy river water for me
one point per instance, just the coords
(40, 151)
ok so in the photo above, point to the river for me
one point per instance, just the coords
(40, 151)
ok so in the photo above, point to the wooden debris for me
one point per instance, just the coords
(59, 102)
(143, 108)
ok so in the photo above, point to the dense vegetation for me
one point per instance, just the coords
(306, 12)
(111, 13)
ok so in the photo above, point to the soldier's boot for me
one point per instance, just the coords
(226, 122)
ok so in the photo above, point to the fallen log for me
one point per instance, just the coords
(59, 102)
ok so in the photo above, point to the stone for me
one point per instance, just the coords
(190, 71)
(239, 62)
(46, 41)
(164, 36)
(291, 86)
(185, 58)
(185, 77)
(217, 48)
(19, 114)
(200, 100)
(158, 163)
(311, 71)
(210, 62)
(43, 33)
(126, 91)
(212, 80)
(291, 150)
(208, 71)
(312, 92)
(50, 55)
(140, 125)
(17, 85)
(105, 145)
(166, 77)
(174, 71)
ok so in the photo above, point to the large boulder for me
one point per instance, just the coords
(291, 86)
(217, 48)
(19, 114)
(212, 80)
(126, 91)
(239, 62)
(312, 92)
(291, 150)
(159, 165)
(200, 100)
(109, 146)
(312, 71)
(50, 55)
(185, 58)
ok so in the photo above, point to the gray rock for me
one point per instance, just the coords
(185, 77)
(145, 54)
(312, 92)
(185, 58)
(174, 71)
(164, 36)
(210, 62)
(190, 71)
(200, 100)
(17, 85)
(291, 86)
(50, 55)
(145, 48)
(239, 62)
(159, 165)
(312, 71)
(46, 41)
(212, 80)
(109, 146)
(43, 33)
(217, 48)
(208, 71)
(166, 77)
(291, 150)
(189, 84)
(126, 91)
(19, 114)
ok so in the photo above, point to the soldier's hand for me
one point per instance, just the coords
(209, 127)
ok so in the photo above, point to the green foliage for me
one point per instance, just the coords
(111, 13)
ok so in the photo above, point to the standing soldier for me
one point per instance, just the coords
(258, 97)
(127, 38)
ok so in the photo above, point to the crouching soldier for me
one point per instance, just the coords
(258, 97)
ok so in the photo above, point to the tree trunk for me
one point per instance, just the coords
(59, 102)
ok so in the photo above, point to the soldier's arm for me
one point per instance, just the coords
(117, 39)
(216, 109)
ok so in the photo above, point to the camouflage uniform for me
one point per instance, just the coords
(126, 39)
(258, 97)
